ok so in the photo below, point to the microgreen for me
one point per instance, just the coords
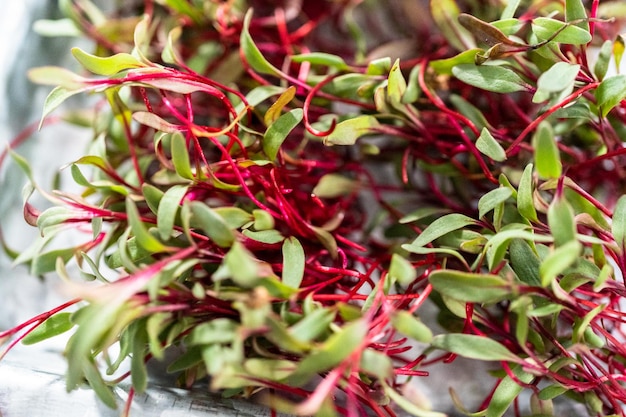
(278, 206)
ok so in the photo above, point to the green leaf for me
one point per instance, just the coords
(552, 391)
(547, 158)
(401, 270)
(53, 326)
(211, 224)
(152, 195)
(322, 58)
(407, 405)
(376, 363)
(262, 220)
(545, 28)
(561, 221)
(610, 93)
(180, 156)
(525, 202)
(509, 10)
(575, 10)
(618, 224)
(242, 265)
(106, 66)
(102, 390)
(272, 369)
(559, 78)
(409, 325)
(444, 66)
(138, 370)
(445, 13)
(474, 347)
(251, 52)
(604, 58)
(525, 262)
(293, 262)
(490, 77)
(278, 131)
(215, 331)
(145, 239)
(348, 131)
(336, 349)
(506, 392)
(493, 199)
(470, 287)
(442, 226)
(57, 76)
(488, 145)
(313, 325)
(335, 185)
(270, 236)
(56, 97)
(168, 210)
(558, 261)
(396, 85)
(155, 122)
(234, 217)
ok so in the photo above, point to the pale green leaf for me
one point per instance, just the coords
(493, 199)
(348, 131)
(488, 145)
(168, 210)
(474, 347)
(211, 224)
(409, 325)
(53, 326)
(335, 185)
(251, 52)
(442, 226)
(401, 270)
(547, 157)
(293, 262)
(506, 392)
(545, 29)
(561, 221)
(108, 65)
(470, 287)
(618, 224)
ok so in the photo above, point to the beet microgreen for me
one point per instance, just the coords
(278, 207)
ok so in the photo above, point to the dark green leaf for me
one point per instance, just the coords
(251, 52)
(470, 287)
(53, 326)
(575, 10)
(490, 77)
(293, 262)
(611, 92)
(278, 132)
(474, 347)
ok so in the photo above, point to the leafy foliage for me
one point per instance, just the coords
(235, 203)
